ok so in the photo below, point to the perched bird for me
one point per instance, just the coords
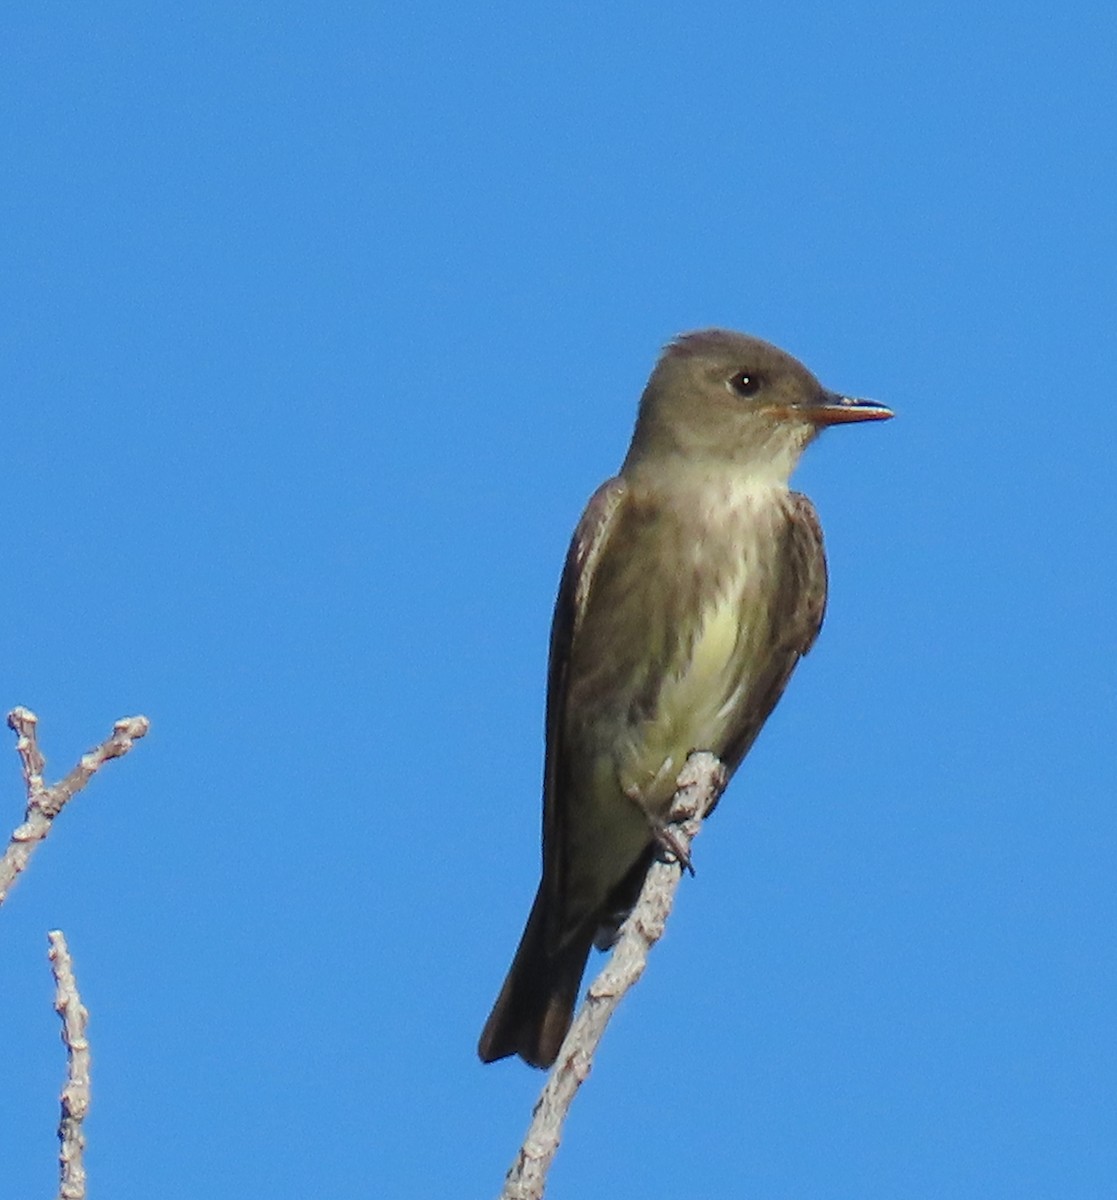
(695, 582)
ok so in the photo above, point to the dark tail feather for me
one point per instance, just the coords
(536, 1003)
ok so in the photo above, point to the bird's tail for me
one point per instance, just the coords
(536, 1003)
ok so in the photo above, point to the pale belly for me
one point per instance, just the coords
(698, 704)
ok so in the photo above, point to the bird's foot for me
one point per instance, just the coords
(670, 844)
(663, 834)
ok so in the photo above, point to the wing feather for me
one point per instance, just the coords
(590, 539)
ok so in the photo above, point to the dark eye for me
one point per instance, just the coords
(746, 383)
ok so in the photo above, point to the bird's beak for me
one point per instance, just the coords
(832, 409)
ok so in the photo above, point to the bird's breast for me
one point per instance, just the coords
(723, 626)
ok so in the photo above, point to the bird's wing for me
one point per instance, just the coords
(798, 607)
(803, 579)
(590, 537)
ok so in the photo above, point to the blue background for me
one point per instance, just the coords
(319, 325)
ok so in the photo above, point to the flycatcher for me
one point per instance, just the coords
(695, 582)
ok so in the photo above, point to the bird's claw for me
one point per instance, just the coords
(670, 844)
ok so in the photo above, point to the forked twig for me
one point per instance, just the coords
(45, 803)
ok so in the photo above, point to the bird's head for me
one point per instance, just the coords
(718, 396)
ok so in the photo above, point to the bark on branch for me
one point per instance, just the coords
(696, 792)
(75, 1092)
(45, 803)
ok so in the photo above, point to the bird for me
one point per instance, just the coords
(694, 583)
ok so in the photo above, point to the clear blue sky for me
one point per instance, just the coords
(319, 326)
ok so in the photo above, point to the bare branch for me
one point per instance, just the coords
(45, 803)
(696, 792)
(75, 1092)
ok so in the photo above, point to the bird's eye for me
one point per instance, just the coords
(746, 383)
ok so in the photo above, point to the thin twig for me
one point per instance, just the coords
(696, 791)
(75, 1092)
(45, 803)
